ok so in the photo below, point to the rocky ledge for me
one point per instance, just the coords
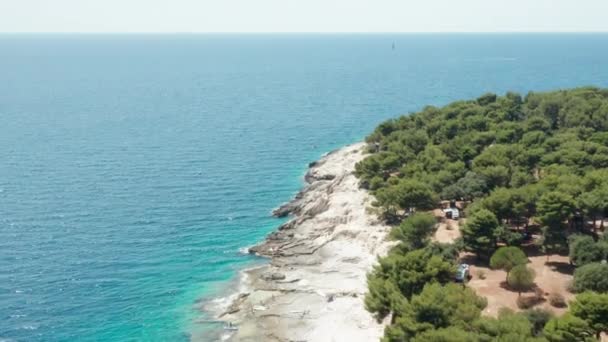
(313, 287)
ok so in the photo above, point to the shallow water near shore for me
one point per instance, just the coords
(134, 168)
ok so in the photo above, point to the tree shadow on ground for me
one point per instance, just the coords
(535, 294)
(472, 259)
(561, 267)
(532, 250)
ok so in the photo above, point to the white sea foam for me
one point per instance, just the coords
(29, 327)
(244, 250)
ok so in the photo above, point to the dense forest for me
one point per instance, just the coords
(522, 166)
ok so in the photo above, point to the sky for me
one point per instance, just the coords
(170, 16)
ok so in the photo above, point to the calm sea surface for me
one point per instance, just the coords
(133, 168)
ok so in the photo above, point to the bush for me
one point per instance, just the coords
(376, 183)
(521, 278)
(538, 318)
(567, 328)
(506, 258)
(557, 300)
(526, 302)
(539, 293)
(416, 230)
(593, 277)
(592, 308)
(508, 236)
(481, 274)
(584, 250)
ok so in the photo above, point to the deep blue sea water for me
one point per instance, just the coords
(134, 167)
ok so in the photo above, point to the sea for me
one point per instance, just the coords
(134, 169)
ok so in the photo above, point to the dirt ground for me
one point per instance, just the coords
(553, 274)
(448, 230)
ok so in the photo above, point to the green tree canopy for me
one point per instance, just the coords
(478, 232)
(584, 250)
(518, 161)
(521, 278)
(406, 194)
(506, 258)
(568, 328)
(383, 296)
(450, 334)
(437, 307)
(416, 230)
(545, 143)
(471, 186)
(554, 208)
(538, 318)
(509, 326)
(501, 203)
(401, 275)
(592, 277)
(595, 202)
(592, 308)
(412, 271)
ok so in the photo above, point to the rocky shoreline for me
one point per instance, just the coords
(313, 287)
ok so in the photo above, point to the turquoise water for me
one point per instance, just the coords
(133, 168)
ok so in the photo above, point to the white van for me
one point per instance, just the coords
(452, 213)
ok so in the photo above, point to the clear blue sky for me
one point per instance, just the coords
(302, 15)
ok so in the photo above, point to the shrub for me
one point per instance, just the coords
(376, 183)
(592, 308)
(567, 328)
(593, 277)
(526, 302)
(584, 250)
(521, 278)
(538, 318)
(481, 274)
(557, 300)
(508, 236)
(539, 293)
(416, 230)
(506, 258)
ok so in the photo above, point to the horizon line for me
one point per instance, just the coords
(291, 32)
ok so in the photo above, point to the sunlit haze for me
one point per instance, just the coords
(302, 16)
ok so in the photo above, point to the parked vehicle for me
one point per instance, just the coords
(462, 273)
(452, 213)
